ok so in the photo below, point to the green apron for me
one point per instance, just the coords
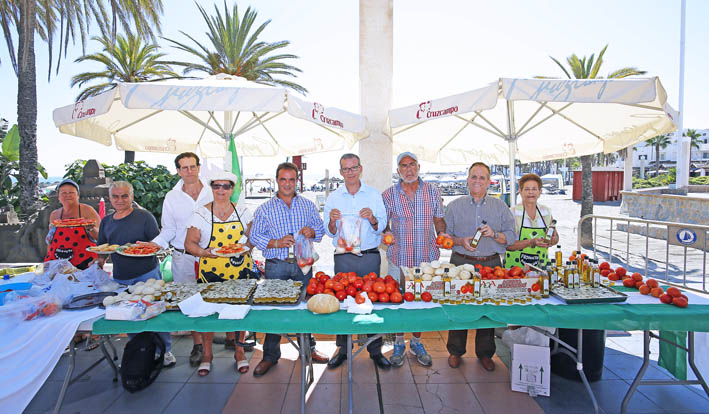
(536, 256)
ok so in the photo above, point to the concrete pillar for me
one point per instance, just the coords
(628, 170)
(684, 153)
(375, 79)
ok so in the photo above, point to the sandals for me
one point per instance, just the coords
(196, 355)
(242, 365)
(204, 368)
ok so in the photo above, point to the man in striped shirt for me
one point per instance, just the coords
(415, 215)
(276, 222)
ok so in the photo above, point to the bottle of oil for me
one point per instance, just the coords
(476, 285)
(418, 284)
(586, 275)
(568, 278)
(446, 282)
(553, 273)
(544, 282)
(478, 235)
(559, 256)
(596, 274)
(577, 278)
(550, 232)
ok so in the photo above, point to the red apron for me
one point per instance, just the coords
(71, 243)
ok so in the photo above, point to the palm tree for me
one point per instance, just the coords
(694, 135)
(659, 142)
(589, 69)
(237, 51)
(70, 20)
(127, 59)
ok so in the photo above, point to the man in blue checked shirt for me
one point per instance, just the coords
(358, 200)
(274, 226)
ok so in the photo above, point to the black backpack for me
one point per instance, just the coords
(142, 361)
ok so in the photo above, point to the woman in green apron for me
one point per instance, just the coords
(531, 221)
(213, 226)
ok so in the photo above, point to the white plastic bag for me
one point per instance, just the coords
(131, 310)
(526, 336)
(348, 234)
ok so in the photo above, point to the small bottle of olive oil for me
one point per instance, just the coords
(446, 282)
(418, 284)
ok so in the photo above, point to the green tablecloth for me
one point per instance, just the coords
(597, 316)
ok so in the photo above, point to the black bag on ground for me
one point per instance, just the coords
(142, 361)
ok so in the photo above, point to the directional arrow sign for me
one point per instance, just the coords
(520, 372)
(541, 377)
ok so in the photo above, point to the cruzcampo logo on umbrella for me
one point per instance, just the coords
(235, 169)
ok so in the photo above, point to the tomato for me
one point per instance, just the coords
(680, 302)
(440, 239)
(535, 287)
(426, 296)
(337, 286)
(605, 272)
(396, 297)
(351, 278)
(652, 283)
(515, 271)
(384, 297)
(344, 282)
(478, 267)
(329, 292)
(390, 288)
(409, 296)
(388, 278)
(674, 292)
(368, 287)
(324, 278)
(499, 273)
(340, 295)
(604, 266)
(311, 289)
(319, 273)
(464, 289)
(637, 277)
(309, 261)
(351, 291)
(448, 243)
(358, 284)
(359, 299)
(637, 284)
(628, 282)
(330, 284)
(373, 296)
(621, 271)
(644, 289)
(302, 263)
(656, 292)
(613, 276)
(379, 287)
(341, 242)
(685, 297)
(388, 239)
(319, 290)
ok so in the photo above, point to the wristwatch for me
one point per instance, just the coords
(495, 235)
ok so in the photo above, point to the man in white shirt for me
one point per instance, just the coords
(180, 203)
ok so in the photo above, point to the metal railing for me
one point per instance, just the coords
(649, 258)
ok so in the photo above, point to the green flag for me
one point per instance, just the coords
(236, 170)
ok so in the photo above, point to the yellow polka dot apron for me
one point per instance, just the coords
(225, 268)
(536, 256)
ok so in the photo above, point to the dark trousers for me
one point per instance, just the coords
(280, 269)
(369, 262)
(484, 338)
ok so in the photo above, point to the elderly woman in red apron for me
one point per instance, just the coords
(71, 242)
(214, 225)
(531, 223)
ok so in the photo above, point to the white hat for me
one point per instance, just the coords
(406, 154)
(223, 176)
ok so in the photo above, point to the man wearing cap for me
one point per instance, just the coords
(357, 200)
(276, 222)
(415, 216)
(71, 242)
(464, 216)
(180, 203)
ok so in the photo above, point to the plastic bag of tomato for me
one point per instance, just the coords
(379, 290)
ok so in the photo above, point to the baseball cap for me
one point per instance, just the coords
(223, 176)
(70, 182)
(406, 154)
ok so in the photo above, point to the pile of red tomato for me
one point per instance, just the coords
(673, 296)
(349, 284)
(497, 272)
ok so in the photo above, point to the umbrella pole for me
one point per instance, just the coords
(511, 140)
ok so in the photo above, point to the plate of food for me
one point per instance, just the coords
(73, 222)
(230, 250)
(103, 248)
(138, 250)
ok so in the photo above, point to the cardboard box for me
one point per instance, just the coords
(530, 368)
(488, 287)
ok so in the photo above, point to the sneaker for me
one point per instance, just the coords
(419, 351)
(397, 358)
(169, 361)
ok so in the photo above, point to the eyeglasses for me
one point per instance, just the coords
(350, 170)
(121, 196)
(189, 168)
(217, 186)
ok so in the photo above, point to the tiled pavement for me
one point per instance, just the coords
(409, 389)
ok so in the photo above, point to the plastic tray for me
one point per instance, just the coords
(619, 297)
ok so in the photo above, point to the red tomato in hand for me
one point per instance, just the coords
(426, 297)
(409, 296)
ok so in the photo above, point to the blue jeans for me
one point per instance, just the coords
(280, 269)
(153, 274)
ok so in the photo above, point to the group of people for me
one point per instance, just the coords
(196, 220)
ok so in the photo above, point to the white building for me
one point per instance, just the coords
(670, 153)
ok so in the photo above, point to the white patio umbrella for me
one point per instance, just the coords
(174, 116)
(533, 120)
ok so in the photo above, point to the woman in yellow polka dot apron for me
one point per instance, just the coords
(212, 226)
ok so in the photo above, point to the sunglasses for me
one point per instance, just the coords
(217, 186)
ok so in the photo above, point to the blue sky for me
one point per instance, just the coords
(440, 48)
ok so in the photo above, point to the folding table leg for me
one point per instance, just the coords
(67, 378)
(579, 367)
(349, 371)
(102, 344)
(639, 376)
